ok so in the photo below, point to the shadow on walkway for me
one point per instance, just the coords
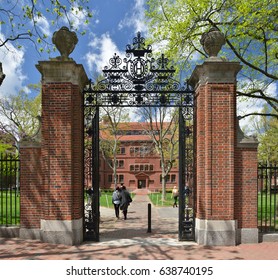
(164, 221)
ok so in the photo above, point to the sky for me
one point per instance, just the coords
(113, 26)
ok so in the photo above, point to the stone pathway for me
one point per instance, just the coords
(128, 239)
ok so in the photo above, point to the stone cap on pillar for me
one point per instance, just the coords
(62, 72)
(215, 72)
(29, 143)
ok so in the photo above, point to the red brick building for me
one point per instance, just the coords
(138, 163)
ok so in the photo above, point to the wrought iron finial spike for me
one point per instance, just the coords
(187, 85)
(90, 85)
(138, 41)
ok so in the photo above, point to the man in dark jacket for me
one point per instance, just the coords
(126, 200)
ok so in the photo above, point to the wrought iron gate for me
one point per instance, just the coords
(139, 80)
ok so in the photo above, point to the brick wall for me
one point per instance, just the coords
(62, 151)
(77, 150)
(215, 134)
(31, 187)
(200, 154)
(246, 187)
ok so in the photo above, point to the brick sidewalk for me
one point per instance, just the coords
(128, 239)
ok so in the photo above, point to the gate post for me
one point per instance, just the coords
(62, 151)
(62, 143)
(246, 181)
(218, 186)
(214, 83)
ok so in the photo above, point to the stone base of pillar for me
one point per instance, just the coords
(247, 235)
(9, 232)
(30, 233)
(269, 237)
(216, 232)
(62, 232)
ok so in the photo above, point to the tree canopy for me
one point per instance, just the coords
(268, 149)
(30, 20)
(19, 116)
(250, 28)
(267, 129)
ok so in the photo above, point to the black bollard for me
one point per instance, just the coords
(149, 218)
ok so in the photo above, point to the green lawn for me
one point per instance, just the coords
(106, 199)
(9, 208)
(268, 209)
(156, 199)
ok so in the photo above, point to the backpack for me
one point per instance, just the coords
(116, 197)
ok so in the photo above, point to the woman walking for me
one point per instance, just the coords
(116, 200)
(175, 195)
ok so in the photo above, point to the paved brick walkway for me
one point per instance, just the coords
(128, 239)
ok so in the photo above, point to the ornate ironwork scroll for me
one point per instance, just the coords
(140, 80)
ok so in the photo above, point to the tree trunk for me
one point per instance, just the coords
(115, 175)
(163, 194)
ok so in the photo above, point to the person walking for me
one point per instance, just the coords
(126, 200)
(175, 195)
(116, 200)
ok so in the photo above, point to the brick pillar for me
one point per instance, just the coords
(246, 192)
(62, 151)
(31, 189)
(215, 83)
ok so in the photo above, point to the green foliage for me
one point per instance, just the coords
(29, 20)
(4, 147)
(268, 148)
(250, 29)
(180, 24)
(19, 115)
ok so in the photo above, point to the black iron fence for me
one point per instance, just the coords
(268, 197)
(9, 190)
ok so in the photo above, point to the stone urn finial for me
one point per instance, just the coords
(65, 41)
(212, 41)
